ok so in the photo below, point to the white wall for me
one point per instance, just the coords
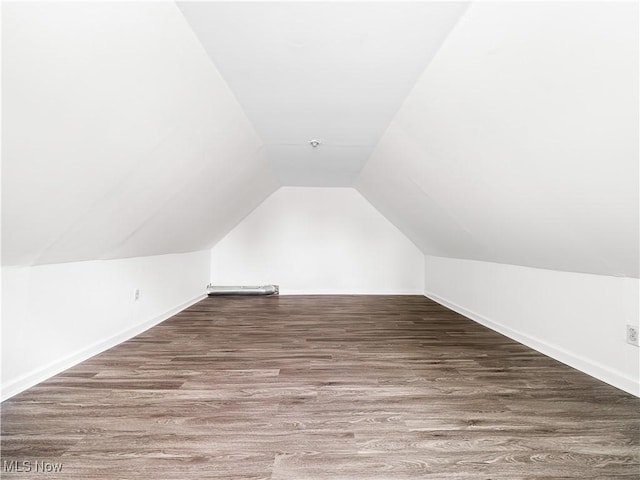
(318, 240)
(519, 143)
(54, 316)
(579, 319)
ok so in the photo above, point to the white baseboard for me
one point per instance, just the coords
(579, 362)
(41, 374)
(345, 292)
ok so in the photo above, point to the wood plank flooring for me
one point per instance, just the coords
(322, 387)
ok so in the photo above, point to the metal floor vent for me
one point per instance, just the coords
(214, 290)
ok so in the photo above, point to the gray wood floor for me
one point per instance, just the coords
(325, 387)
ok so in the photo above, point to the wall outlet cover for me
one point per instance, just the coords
(632, 334)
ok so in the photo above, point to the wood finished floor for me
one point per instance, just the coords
(327, 387)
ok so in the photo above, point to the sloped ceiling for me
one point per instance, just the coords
(332, 71)
(519, 143)
(120, 138)
(503, 131)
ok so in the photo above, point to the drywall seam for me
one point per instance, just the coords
(39, 375)
(585, 365)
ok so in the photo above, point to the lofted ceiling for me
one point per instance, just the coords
(519, 142)
(497, 131)
(332, 71)
(120, 138)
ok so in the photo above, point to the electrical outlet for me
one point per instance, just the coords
(632, 334)
(136, 294)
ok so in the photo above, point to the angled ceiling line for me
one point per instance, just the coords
(337, 72)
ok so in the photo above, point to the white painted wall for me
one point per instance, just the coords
(519, 143)
(54, 316)
(318, 240)
(579, 319)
